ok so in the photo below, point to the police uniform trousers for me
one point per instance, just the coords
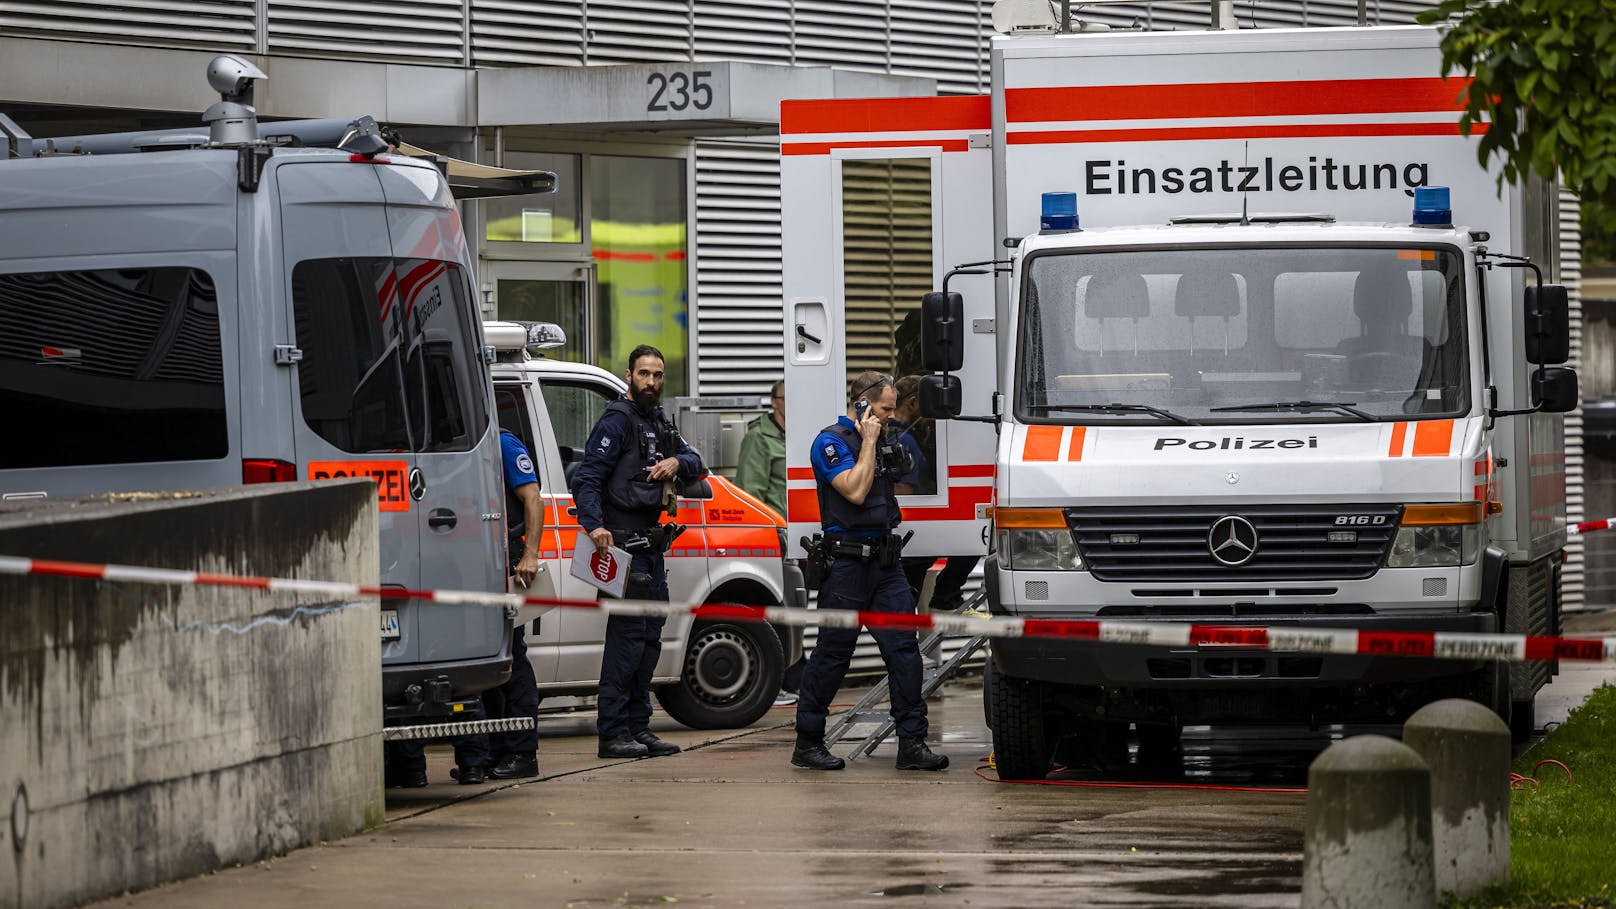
(633, 645)
(863, 585)
(518, 697)
(469, 751)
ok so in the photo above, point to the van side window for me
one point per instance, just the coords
(389, 360)
(446, 373)
(574, 409)
(117, 366)
(350, 330)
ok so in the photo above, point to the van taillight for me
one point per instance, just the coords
(267, 470)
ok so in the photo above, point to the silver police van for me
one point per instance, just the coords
(188, 309)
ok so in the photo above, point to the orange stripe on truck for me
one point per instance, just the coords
(824, 148)
(1232, 99)
(1074, 452)
(885, 115)
(1042, 444)
(1433, 438)
(1399, 434)
(1263, 131)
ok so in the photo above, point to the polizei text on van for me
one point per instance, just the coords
(1233, 443)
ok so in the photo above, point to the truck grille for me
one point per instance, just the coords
(1292, 542)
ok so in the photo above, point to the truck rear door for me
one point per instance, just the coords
(882, 198)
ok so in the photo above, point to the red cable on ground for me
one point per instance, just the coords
(1522, 781)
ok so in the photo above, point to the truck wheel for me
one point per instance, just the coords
(730, 677)
(1021, 741)
(1522, 719)
(990, 678)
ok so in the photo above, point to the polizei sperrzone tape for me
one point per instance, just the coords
(1437, 644)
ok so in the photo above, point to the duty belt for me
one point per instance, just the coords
(654, 539)
(886, 548)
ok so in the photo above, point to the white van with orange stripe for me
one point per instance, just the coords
(1335, 418)
(712, 674)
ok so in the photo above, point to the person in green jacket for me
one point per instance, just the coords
(762, 467)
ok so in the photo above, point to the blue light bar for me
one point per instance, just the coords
(1059, 212)
(1431, 207)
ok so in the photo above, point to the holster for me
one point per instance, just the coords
(816, 566)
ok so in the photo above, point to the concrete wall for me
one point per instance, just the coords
(149, 733)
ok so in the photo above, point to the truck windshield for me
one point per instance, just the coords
(1242, 335)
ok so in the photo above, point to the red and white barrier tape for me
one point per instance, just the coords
(1590, 526)
(1438, 644)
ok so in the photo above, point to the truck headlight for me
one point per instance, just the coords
(1035, 539)
(1437, 536)
(1039, 550)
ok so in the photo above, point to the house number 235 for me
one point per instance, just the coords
(680, 90)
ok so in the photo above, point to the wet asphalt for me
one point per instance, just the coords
(728, 822)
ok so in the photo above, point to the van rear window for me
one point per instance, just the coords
(113, 366)
(390, 360)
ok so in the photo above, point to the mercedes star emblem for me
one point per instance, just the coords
(1232, 540)
(417, 484)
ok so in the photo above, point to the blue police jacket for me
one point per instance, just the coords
(836, 450)
(608, 487)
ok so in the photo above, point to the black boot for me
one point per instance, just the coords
(914, 755)
(514, 767)
(812, 754)
(621, 746)
(655, 746)
(471, 775)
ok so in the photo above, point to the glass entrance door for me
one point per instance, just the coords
(559, 292)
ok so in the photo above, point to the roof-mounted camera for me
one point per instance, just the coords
(232, 120)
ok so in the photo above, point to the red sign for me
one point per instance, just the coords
(603, 565)
(392, 479)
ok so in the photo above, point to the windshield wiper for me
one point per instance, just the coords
(1114, 408)
(1342, 406)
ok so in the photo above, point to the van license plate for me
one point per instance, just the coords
(389, 624)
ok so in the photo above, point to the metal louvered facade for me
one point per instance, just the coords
(739, 322)
(1572, 581)
(223, 25)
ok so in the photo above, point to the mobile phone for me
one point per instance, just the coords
(860, 407)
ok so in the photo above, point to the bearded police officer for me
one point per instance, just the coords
(855, 467)
(634, 462)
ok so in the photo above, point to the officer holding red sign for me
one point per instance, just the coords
(633, 465)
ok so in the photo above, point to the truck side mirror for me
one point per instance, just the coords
(940, 396)
(942, 332)
(1554, 389)
(1548, 325)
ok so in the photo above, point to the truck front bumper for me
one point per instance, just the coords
(1092, 663)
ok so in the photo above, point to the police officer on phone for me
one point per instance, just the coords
(633, 465)
(855, 465)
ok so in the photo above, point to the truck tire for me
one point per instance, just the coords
(990, 677)
(1021, 741)
(730, 676)
(1522, 720)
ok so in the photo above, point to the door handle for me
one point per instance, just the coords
(441, 518)
(572, 510)
(802, 332)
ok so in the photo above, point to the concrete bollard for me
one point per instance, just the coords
(1467, 748)
(1367, 842)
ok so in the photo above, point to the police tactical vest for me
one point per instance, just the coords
(631, 500)
(880, 509)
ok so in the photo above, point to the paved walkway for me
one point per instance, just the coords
(730, 823)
